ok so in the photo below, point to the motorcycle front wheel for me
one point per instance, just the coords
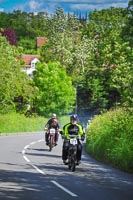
(72, 162)
(50, 143)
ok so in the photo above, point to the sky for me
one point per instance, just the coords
(69, 6)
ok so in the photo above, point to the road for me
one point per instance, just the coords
(28, 171)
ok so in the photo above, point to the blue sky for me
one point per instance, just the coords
(77, 6)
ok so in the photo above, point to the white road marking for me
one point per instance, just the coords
(23, 152)
(26, 147)
(26, 159)
(63, 188)
(40, 171)
(32, 143)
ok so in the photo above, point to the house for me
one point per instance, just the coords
(30, 63)
(31, 60)
(40, 41)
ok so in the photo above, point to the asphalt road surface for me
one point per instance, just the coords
(28, 171)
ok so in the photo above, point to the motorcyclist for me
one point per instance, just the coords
(52, 123)
(72, 128)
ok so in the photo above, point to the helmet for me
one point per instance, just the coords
(54, 115)
(74, 117)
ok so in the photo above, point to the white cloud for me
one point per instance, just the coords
(50, 6)
(33, 5)
(98, 6)
(1, 9)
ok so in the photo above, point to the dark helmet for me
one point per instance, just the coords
(74, 117)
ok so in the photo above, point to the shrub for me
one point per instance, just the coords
(110, 138)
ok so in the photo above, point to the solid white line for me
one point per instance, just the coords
(63, 188)
(23, 152)
(26, 159)
(41, 140)
(26, 147)
(32, 143)
(39, 170)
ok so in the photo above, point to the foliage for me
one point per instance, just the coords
(64, 119)
(111, 57)
(28, 44)
(64, 33)
(122, 75)
(110, 138)
(14, 83)
(97, 54)
(95, 57)
(18, 123)
(10, 36)
(127, 32)
(55, 92)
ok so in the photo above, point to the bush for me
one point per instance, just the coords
(110, 138)
(14, 123)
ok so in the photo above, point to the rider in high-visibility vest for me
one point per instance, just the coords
(72, 128)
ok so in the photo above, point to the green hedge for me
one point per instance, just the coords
(14, 123)
(110, 138)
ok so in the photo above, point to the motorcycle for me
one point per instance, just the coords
(51, 138)
(72, 152)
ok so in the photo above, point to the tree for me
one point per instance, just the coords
(10, 35)
(122, 75)
(127, 32)
(14, 83)
(111, 55)
(55, 92)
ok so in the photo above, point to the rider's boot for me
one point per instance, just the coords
(78, 162)
(46, 138)
(65, 162)
(56, 138)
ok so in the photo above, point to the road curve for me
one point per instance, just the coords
(29, 171)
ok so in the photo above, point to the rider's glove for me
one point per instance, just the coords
(82, 137)
(63, 136)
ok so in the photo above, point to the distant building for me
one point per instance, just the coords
(30, 60)
(30, 63)
(40, 41)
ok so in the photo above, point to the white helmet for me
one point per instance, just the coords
(54, 115)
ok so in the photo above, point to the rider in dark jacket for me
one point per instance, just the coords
(52, 123)
(72, 128)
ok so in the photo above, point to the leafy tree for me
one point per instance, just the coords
(127, 32)
(10, 35)
(110, 54)
(93, 54)
(102, 22)
(122, 75)
(5, 20)
(55, 92)
(27, 26)
(64, 36)
(28, 45)
(14, 83)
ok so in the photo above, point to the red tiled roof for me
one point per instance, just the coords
(41, 41)
(27, 58)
